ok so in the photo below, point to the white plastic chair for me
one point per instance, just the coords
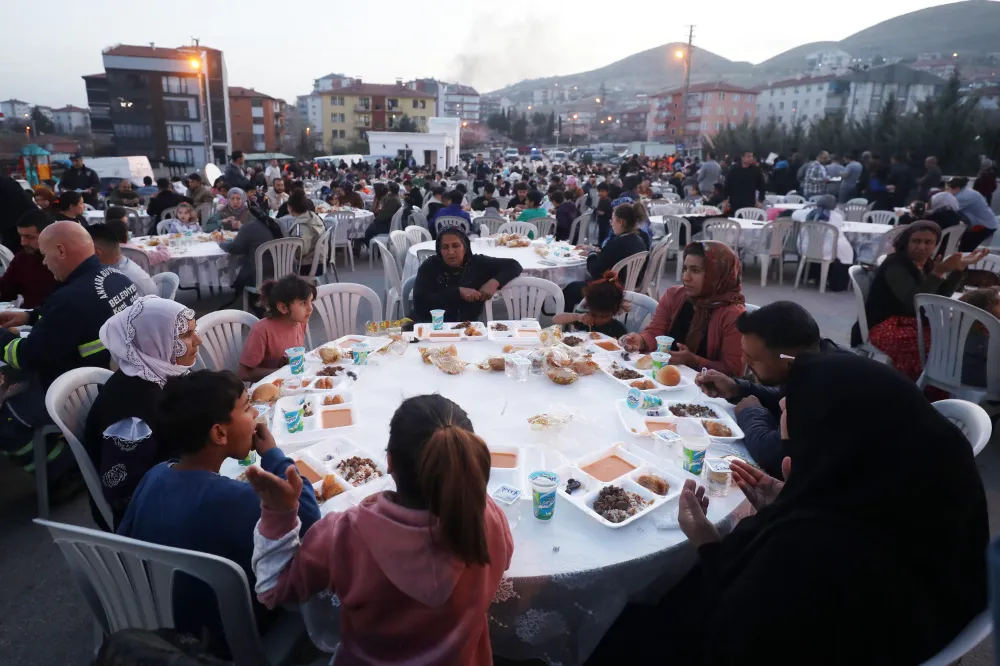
(446, 221)
(854, 212)
(858, 200)
(794, 198)
(321, 255)
(525, 296)
(673, 225)
(771, 199)
(493, 224)
(726, 232)
(861, 279)
(399, 244)
(87, 206)
(990, 262)
(138, 256)
(578, 230)
(750, 307)
(950, 321)
(285, 255)
(168, 213)
(396, 224)
(546, 226)
(816, 234)
(223, 334)
(658, 208)
(970, 418)
(640, 312)
(654, 269)
(771, 245)
(68, 400)
(521, 228)
(408, 295)
(128, 584)
(338, 306)
(671, 197)
(972, 635)
(6, 256)
(393, 282)
(879, 217)
(633, 267)
(163, 227)
(417, 234)
(167, 284)
(950, 238)
(758, 214)
(205, 212)
(417, 218)
(341, 221)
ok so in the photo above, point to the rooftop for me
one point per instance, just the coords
(13, 101)
(460, 89)
(238, 91)
(378, 90)
(153, 51)
(70, 108)
(805, 80)
(99, 75)
(720, 86)
(894, 74)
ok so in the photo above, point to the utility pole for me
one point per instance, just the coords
(687, 83)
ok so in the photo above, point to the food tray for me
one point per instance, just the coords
(723, 416)
(610, 359)
(634, 421)
(312, 429)
(593, 337)
(345, 343)
(324, 456)
(583, 499)
(426, 332)
(511, 335)
(620, 449)
(510, 476)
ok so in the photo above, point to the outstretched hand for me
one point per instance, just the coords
(760, 488)
(691, 515)
(275, 493)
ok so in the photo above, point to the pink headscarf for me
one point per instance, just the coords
(571, 182)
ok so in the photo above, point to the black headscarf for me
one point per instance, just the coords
(449, 276)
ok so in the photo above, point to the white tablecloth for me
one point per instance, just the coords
(201, 263)
(531, 262)
(362, 218)
(570, 578)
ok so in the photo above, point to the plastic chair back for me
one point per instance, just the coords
(223, 334)
(128, 584)
(321, 253)
(6, 256)
(446, 221)
(949, 239)
(726, 232)
(524, 229)
(752, 214)
(578, 230)
(774, 236)
(344, 220)
(974, 633)
(168, 213)
(417, 218)
(167, 284)
(862, 279)
(417, 234)
(970, 418)
(817, 235)
(708, 211)
(654, 270)
(525, 296)
(138, 256)
(205, 212)
(794, 198)
(629, 269)
(859, 200)
(68, 401)
(162, 227)
(339, 307)
(546, 226)
(396, 224)
(285, 255)
(854, 212)
(393, 282)
(674, 224)
(399, 244)
(492, 224)
(408, 295)
(950, 322)
(490, 211)
(879, 217)
(990, 262)
(639, 313)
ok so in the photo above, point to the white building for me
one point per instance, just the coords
(830, 61)
(47, 111)
(437, 148)
(331, 82)
(310, 111)
(794, 101)
(459, 101)
(71, 119)
(491, 106)
(14, 110)
(863, 94)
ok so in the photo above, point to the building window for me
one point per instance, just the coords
(749, 98)
(179, 133)
(796, 90)
(704, 125)
(806, 103)
(176, 109)
(721, 110)
(736, 112)
(337, 118)
(365, 103)
(342, 133)
(337, 101)
(809, 88)
(708, 97)
(128, 131)
(182, 155)
(781, 106)
(365, 120)
(718, 126)
(256, 103)
(392, 104)
(736, 97)
(722, 96)
(423, 104)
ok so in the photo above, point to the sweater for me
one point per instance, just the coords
(618, 248)
(437, 286)
(203, 511)
(28, 277)
(725, 342)
(251, 235)
(895, 284)
(403, 598)
(745, 187)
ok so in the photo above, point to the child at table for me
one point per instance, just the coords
(185, 219)
(289, 305)
(416, 569)
(604, 299)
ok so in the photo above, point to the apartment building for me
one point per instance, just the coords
(710, 108)
(70, 119)
(15, 110)
(350, 112)
(795, 101)
(633, 122)
(863, 94)
(169, 104)
(257, 119)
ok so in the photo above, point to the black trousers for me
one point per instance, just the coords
(972, 239)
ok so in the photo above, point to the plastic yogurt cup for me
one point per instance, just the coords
(659, 359)
(437, 319)
(638, 399)
(359, 353)
(663, 343)
(543, 494)
(296, 359)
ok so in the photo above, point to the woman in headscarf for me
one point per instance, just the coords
(944, 210)
(837, 566)
(825, 211)
(458, 281)
(910, 270)
(151, 340)
(233, 214)
(700, 314)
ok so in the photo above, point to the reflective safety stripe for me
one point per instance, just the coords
(10, 353)
(60, 445)
(90, 348)
(24, 449)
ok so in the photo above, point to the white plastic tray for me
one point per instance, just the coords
(512, 335)
(510, 476)
(426, 332)
(345, 343)
(723, 416)
(583, 499)
(312, 429)
(324, 456)
(609, 360)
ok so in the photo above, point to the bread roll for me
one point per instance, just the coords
(668, 375)
(644, 363)
(265, 393)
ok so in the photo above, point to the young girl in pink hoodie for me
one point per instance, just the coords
(415, 569)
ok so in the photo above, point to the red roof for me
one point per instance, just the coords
(70, 108)
(131, 51)
(720, 86)
(378, 90)
(804, 81)
(238, 91)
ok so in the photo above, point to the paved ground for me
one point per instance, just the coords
(44, 621)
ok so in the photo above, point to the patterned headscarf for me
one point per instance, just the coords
(723, 286)
(242, 214)
(144, 338)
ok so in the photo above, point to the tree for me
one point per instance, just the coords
(538, 119)
(550, 127)
(519, 130)
(40, 124)
(498, 123)
(405, 124)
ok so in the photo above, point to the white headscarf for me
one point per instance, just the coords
(144, 338)
(944, 200)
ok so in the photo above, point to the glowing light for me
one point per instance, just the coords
(598, 100)
(679, 54)
(195, 63)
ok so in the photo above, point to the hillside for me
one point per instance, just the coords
(968, 27)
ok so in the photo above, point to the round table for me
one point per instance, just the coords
(202, 263)
(357, 228)
(532, 264)
(570, 578)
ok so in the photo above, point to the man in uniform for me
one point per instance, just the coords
(81, 177)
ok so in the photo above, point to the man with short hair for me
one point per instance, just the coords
(164, 199)
(234, 175)
(198, 192)
(814, 176)
(850, 177)
(147, 189)
(745, 185)
(82, 178)
(435, 204)
(124, 195)
(931, 179)
(773, 336)
(486, 199)
(64, 336)
(604, 212)
(276, 195)
(481, 172)
(272, 171)
(110, 253)
(27, 276)
(709, 174)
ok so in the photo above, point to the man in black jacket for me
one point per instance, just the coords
(166, 198)
(14, 203)
(234, 175)
(80, 177)
(745, 185)
(486, 199)
(773, 336)
(481, 172)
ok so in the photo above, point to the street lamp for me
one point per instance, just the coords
(685, 57)
(202, 109)
(598, 100)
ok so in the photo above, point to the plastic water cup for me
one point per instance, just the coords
(543, 494)
(693, 449)
(663, 343)
(720, 477)
(437, 319)
(659, 359)
(296, 359)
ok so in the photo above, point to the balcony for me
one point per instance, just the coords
(362, 108)
(360, 122)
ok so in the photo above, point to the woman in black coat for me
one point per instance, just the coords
(458, 281)
(863, 555)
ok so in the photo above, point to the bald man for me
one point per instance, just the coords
(64, 336)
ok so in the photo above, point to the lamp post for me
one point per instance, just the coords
(202, 109)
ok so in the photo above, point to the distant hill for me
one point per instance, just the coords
(968, 27)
